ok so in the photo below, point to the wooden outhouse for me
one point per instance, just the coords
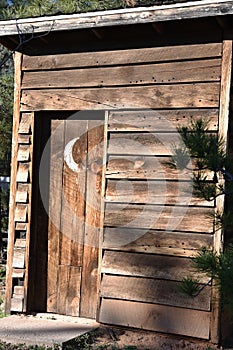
(101, 225)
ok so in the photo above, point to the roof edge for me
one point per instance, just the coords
(178, 11)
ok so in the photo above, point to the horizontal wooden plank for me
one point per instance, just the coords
(23, 153)
(21, 226)
(155, 242)
(160, 144)
(162, 96)
(153, 192)
(20, 243)
(143, 167)
(18, 290)
(153, 291)
(21, 213)
(17, 304)
(18, 273)
(22, 172)
(119, 57)
(160, 120)
(169, 218)
(155, 317)
(22, 193)
(24, 139)
(176, 72)
(148, 265)
(25, 123)
(18, 258)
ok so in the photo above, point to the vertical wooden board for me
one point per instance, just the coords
(73, 194)
(88, 304)
(68, 296)
(55, 197)
(223, 132)
(153, 317)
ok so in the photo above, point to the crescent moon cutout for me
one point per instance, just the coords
(68, 156)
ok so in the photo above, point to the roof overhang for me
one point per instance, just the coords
(188, 10)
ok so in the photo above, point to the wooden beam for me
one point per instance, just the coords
(12, 204)
(152, 14)
(223, 132)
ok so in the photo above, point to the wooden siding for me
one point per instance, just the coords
(174, 77)
(152, 223)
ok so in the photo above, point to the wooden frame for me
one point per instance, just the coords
(12, 204)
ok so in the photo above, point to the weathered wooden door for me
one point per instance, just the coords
(75, 157)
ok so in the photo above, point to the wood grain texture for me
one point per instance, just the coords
(18, 258)
(28, 155)
(178, 218)
(145, 167)
(18, 273)
(119, 57)
(56, 166)
(176, 72)
(73, 197)
(14, 169)
(95, 150)
(150, 144)
(155, 317)
(22, 193)
(21, 226)
(120, 17)
(25, 123)
(22, 172)
(147, 265)
(160, 120)
(17, 304)
(23, 153)
(223, 132)
(162, 96)
(153, 192)
(68, 297)
(24, 139)
(153, 291)
(155, 242)
(21, 211)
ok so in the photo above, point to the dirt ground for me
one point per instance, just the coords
(122, 338)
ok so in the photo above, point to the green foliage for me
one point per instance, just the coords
(205, 147)
(180, 158)
(217, 267)
(189, 286)
(34, 8)
(6, 111)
